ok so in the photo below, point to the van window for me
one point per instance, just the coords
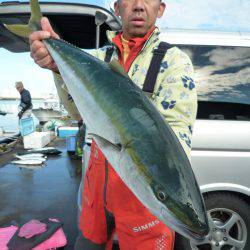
(222, 76)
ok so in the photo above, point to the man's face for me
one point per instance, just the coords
(19, 89)
(138, 16)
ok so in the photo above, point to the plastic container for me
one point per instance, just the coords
(38, 139)
(71, 144)
(26, 126)
(64, 132)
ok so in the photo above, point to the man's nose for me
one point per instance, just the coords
(139, 5)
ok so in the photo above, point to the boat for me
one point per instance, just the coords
(7, 141)
(2, 112)
(51, 110)
(7, 137)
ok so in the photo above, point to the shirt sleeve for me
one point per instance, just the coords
(176, 96)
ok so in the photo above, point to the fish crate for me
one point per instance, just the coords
(26, 126)
(37, 140)
(64, 132)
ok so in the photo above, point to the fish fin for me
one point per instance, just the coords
(106, 142)
(22, 30)
(116, 66)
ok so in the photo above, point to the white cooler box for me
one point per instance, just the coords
(38, 139)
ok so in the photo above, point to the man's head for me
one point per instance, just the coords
(19, 86)
(138, 16)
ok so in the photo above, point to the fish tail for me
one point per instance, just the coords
(24, 30)
(18, 29)
(36, 16)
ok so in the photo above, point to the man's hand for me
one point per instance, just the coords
(38, 51)
(20, 114)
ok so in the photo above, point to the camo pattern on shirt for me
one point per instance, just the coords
(174, 94)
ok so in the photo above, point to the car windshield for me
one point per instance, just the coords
(222, 73)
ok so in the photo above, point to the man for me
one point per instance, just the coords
(108, 206)
(25, 106)
(80, 137)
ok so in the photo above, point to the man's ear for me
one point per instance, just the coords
(161, 10)
(116, 7)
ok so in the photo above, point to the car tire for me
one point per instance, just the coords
(223, 206)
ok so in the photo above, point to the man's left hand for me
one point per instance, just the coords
(20, 114)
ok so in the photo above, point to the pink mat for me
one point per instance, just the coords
(6, 234)
(58, 239)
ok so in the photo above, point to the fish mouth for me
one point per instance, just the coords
(192, 235)
(198, 237)
(183, 229)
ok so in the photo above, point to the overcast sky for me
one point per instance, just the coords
(222, 15)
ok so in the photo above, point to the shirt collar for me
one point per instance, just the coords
(114, 37)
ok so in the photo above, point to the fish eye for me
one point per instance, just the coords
(161, 196)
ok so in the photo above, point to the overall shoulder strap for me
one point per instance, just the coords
(109, 53)
(155, 66)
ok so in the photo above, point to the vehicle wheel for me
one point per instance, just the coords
(229, 220)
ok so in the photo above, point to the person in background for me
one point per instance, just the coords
(80, 137)
(25, 106)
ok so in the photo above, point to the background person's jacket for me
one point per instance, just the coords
(25, 102)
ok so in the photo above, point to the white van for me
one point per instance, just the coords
(220, 153)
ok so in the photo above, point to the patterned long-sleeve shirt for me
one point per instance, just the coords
(175, 92)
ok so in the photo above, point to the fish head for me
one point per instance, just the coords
(186, 215)
(166, 184)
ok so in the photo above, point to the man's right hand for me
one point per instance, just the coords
(38, 51)
(20, 114)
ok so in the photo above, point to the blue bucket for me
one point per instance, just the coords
(26, 126)
(71, 143)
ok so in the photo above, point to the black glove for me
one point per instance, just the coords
(20, 114)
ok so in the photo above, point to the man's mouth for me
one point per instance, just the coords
(138, 21)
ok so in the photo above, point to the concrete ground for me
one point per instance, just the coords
(47, 192)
